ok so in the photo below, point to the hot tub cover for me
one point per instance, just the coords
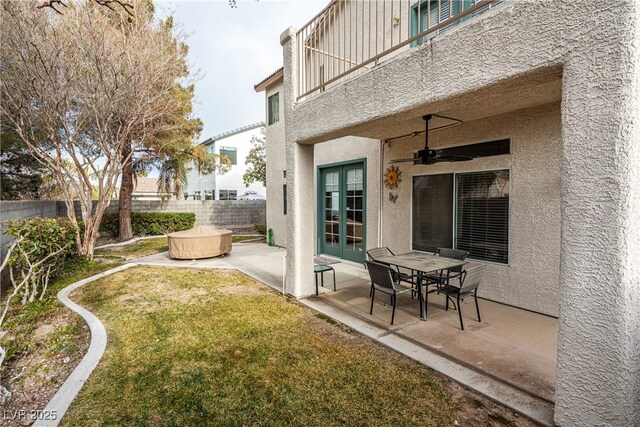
(200, 242)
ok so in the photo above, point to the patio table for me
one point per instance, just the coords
(423, 264)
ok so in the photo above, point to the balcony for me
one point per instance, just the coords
(348, 37)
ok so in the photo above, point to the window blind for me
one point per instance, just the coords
(273, 108)
(432, 212)
(482, 215)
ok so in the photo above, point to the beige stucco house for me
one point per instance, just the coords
(543, 96)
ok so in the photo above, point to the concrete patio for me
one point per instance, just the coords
(509, 356)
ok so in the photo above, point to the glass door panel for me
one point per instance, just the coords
(332, 208)
(354, 212)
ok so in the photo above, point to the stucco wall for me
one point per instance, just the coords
(531, 279)
(276, 164)
(344, 149)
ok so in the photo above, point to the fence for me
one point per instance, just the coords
(234, 214)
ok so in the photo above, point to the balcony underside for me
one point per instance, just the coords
(539, 87)
(481, 69)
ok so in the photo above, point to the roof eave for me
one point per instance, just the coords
(262, 86)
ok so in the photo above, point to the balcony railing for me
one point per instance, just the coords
(349, 36)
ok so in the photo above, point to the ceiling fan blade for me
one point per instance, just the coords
(402, 160)
(453, 158)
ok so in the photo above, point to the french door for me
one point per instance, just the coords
(341, 211)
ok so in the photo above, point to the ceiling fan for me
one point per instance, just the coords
(427, 156)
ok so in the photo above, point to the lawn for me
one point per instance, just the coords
(214, 347)
(138, 249)
(147, 247)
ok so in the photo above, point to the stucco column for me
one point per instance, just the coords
(301, 199)
(598, 378)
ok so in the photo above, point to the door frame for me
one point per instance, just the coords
(320, 214)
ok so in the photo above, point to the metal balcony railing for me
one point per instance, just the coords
(349, 36)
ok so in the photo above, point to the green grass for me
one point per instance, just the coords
(240, 238)
(136, 250)
(195, 348)
(147, 247)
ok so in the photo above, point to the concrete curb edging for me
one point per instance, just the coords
(128, 242)
(60, 402)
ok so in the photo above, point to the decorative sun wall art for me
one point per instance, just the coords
(392, 177)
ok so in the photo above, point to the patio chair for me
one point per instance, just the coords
(384, 280)
(375, 253)
(469, 282)
(443, 277)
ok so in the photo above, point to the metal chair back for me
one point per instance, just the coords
(471, 278)
(375, 253)
(453, 254)
(381, 275)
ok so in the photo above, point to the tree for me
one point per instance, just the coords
(172, 129)
(177, 163)
(20, 176)
(257, 171)
(77, 88)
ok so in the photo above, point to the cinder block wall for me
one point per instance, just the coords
(217, 213)
(21, 210)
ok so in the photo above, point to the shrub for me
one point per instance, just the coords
(260, 227)
(42, 245)
(150, 223)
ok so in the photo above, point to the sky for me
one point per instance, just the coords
(230, 50)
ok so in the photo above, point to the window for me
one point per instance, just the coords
(231, 153)
(284, 199)
(467, 211)
(433, 12)
(208, 194)
(482, 215)
(284, 173)
(211, 148)
(432, 212)
(228, 194)
(196, 195)
(273, 106)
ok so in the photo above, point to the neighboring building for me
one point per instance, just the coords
(146, 188)
(234, 144)
(544, 95)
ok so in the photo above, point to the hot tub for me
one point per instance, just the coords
(200, 242)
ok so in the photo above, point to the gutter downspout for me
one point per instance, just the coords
(382, 144)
